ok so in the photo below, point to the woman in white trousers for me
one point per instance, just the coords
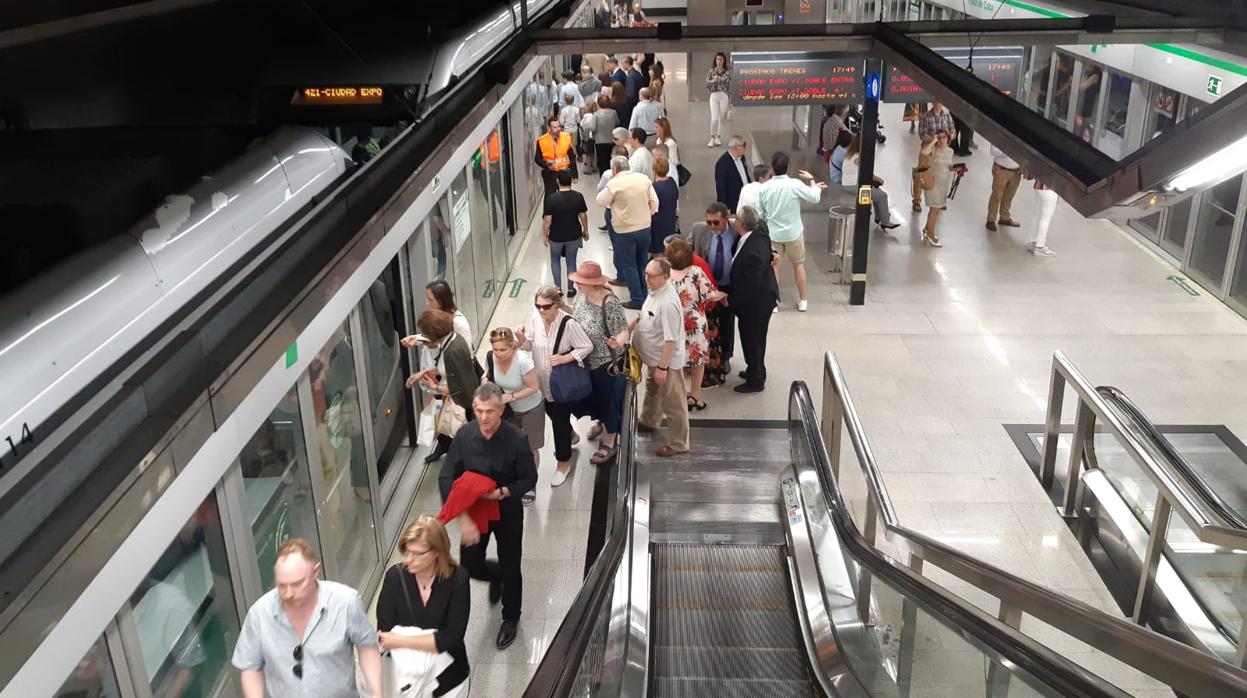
(719, 83)
(1047, 200)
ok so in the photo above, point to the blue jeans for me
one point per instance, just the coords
(559, 250)
(631, 256)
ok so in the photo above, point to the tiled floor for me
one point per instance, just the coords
(951, 344)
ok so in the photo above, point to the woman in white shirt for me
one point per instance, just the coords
(539, 336)
(513, 371)
(439, 296)
(663, 135)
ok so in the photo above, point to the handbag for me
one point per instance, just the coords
(627, 364)
(569, 382)
(925, 178)
(682, 174)
(451, 418)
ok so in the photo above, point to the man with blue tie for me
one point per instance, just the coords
(715, 241)
(731, 172)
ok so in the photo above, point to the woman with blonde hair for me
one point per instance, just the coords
(554, 337)
(428, 590)
(514, 371)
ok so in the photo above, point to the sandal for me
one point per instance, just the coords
(695, 405)
(528, 498)
(604, 454)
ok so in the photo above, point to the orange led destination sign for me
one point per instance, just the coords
(795, 78)
(999, 67)
(339, 94)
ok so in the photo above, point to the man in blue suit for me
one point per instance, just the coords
(731, 172)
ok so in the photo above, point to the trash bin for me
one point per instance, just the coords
(840, 239)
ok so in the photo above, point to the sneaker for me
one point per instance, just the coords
(710, 143)
(803, 305)
(775, 310)
(558, 478)
(1043, 252)
(718, 141)
(1030, 247)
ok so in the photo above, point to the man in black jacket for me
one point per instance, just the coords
(498, 450)
(731, 173)
(754, 295)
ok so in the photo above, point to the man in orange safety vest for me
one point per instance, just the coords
(555, 153)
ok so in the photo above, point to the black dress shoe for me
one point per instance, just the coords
(742, 374)
(506, 634)
(748, 388)
(495, 591)
(437, 453)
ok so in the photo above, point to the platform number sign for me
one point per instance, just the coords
(1215, 84)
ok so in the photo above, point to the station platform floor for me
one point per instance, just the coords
(952, 344)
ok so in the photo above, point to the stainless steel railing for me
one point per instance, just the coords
(1176, 492)
(1181, 667)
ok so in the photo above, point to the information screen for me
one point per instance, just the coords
(339, 94)
(999, 67)
(761, 79)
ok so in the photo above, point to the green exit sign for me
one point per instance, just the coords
(1214, 85)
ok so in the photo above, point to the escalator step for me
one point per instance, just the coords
(710, 687)
(737, 663)
(723, 624)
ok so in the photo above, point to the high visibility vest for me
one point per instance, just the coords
(558, 155)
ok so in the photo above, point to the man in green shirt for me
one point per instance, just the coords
(779, 204)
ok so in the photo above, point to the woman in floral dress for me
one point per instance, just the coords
(697, 293)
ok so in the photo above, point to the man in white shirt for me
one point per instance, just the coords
(569, 87)
(1006, 176)
(645, 113)
(658, 335)
(641, 161)
(749, 192)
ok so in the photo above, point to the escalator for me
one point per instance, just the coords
(738, 571)
(1200, 586)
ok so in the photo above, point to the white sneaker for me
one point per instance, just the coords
(718, 141)
(775, 310)
(1030, 247)
(710, 143)
(803, 305)
(1043, 252)
(559, 477)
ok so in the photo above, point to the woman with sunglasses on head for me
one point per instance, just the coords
(601, 314)
(450, 374)
(539, 336)
(513, 371)
(427, 589)
(439, 296)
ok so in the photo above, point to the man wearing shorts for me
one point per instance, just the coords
(779, 204)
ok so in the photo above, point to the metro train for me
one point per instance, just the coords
(64, 328)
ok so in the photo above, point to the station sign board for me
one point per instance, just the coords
(999, 67)
(795, 77)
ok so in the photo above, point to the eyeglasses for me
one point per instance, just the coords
(715, 223)
(298, 661)
(655, 276)
(543, 306)
(501, 333)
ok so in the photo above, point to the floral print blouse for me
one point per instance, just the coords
(719, 80)
(694, 289)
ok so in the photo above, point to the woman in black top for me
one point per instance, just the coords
(428, 590)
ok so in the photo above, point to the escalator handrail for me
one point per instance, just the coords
(1116, 398)
(557, 672)
(1022, 651)
(1198, 512)
(1179, 666)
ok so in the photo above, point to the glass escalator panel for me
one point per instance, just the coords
(1216, 576)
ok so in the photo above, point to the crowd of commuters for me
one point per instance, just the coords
(695, 294)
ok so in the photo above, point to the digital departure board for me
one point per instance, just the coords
(761, 79)
(338, 95)
(999, 67)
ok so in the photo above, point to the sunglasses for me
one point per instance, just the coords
(543, 306)
(715, 223)
(298, 661)
(502, 333)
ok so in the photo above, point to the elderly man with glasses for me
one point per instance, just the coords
(715, 241)
(301, 637)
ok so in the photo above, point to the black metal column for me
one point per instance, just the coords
(865, 182)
